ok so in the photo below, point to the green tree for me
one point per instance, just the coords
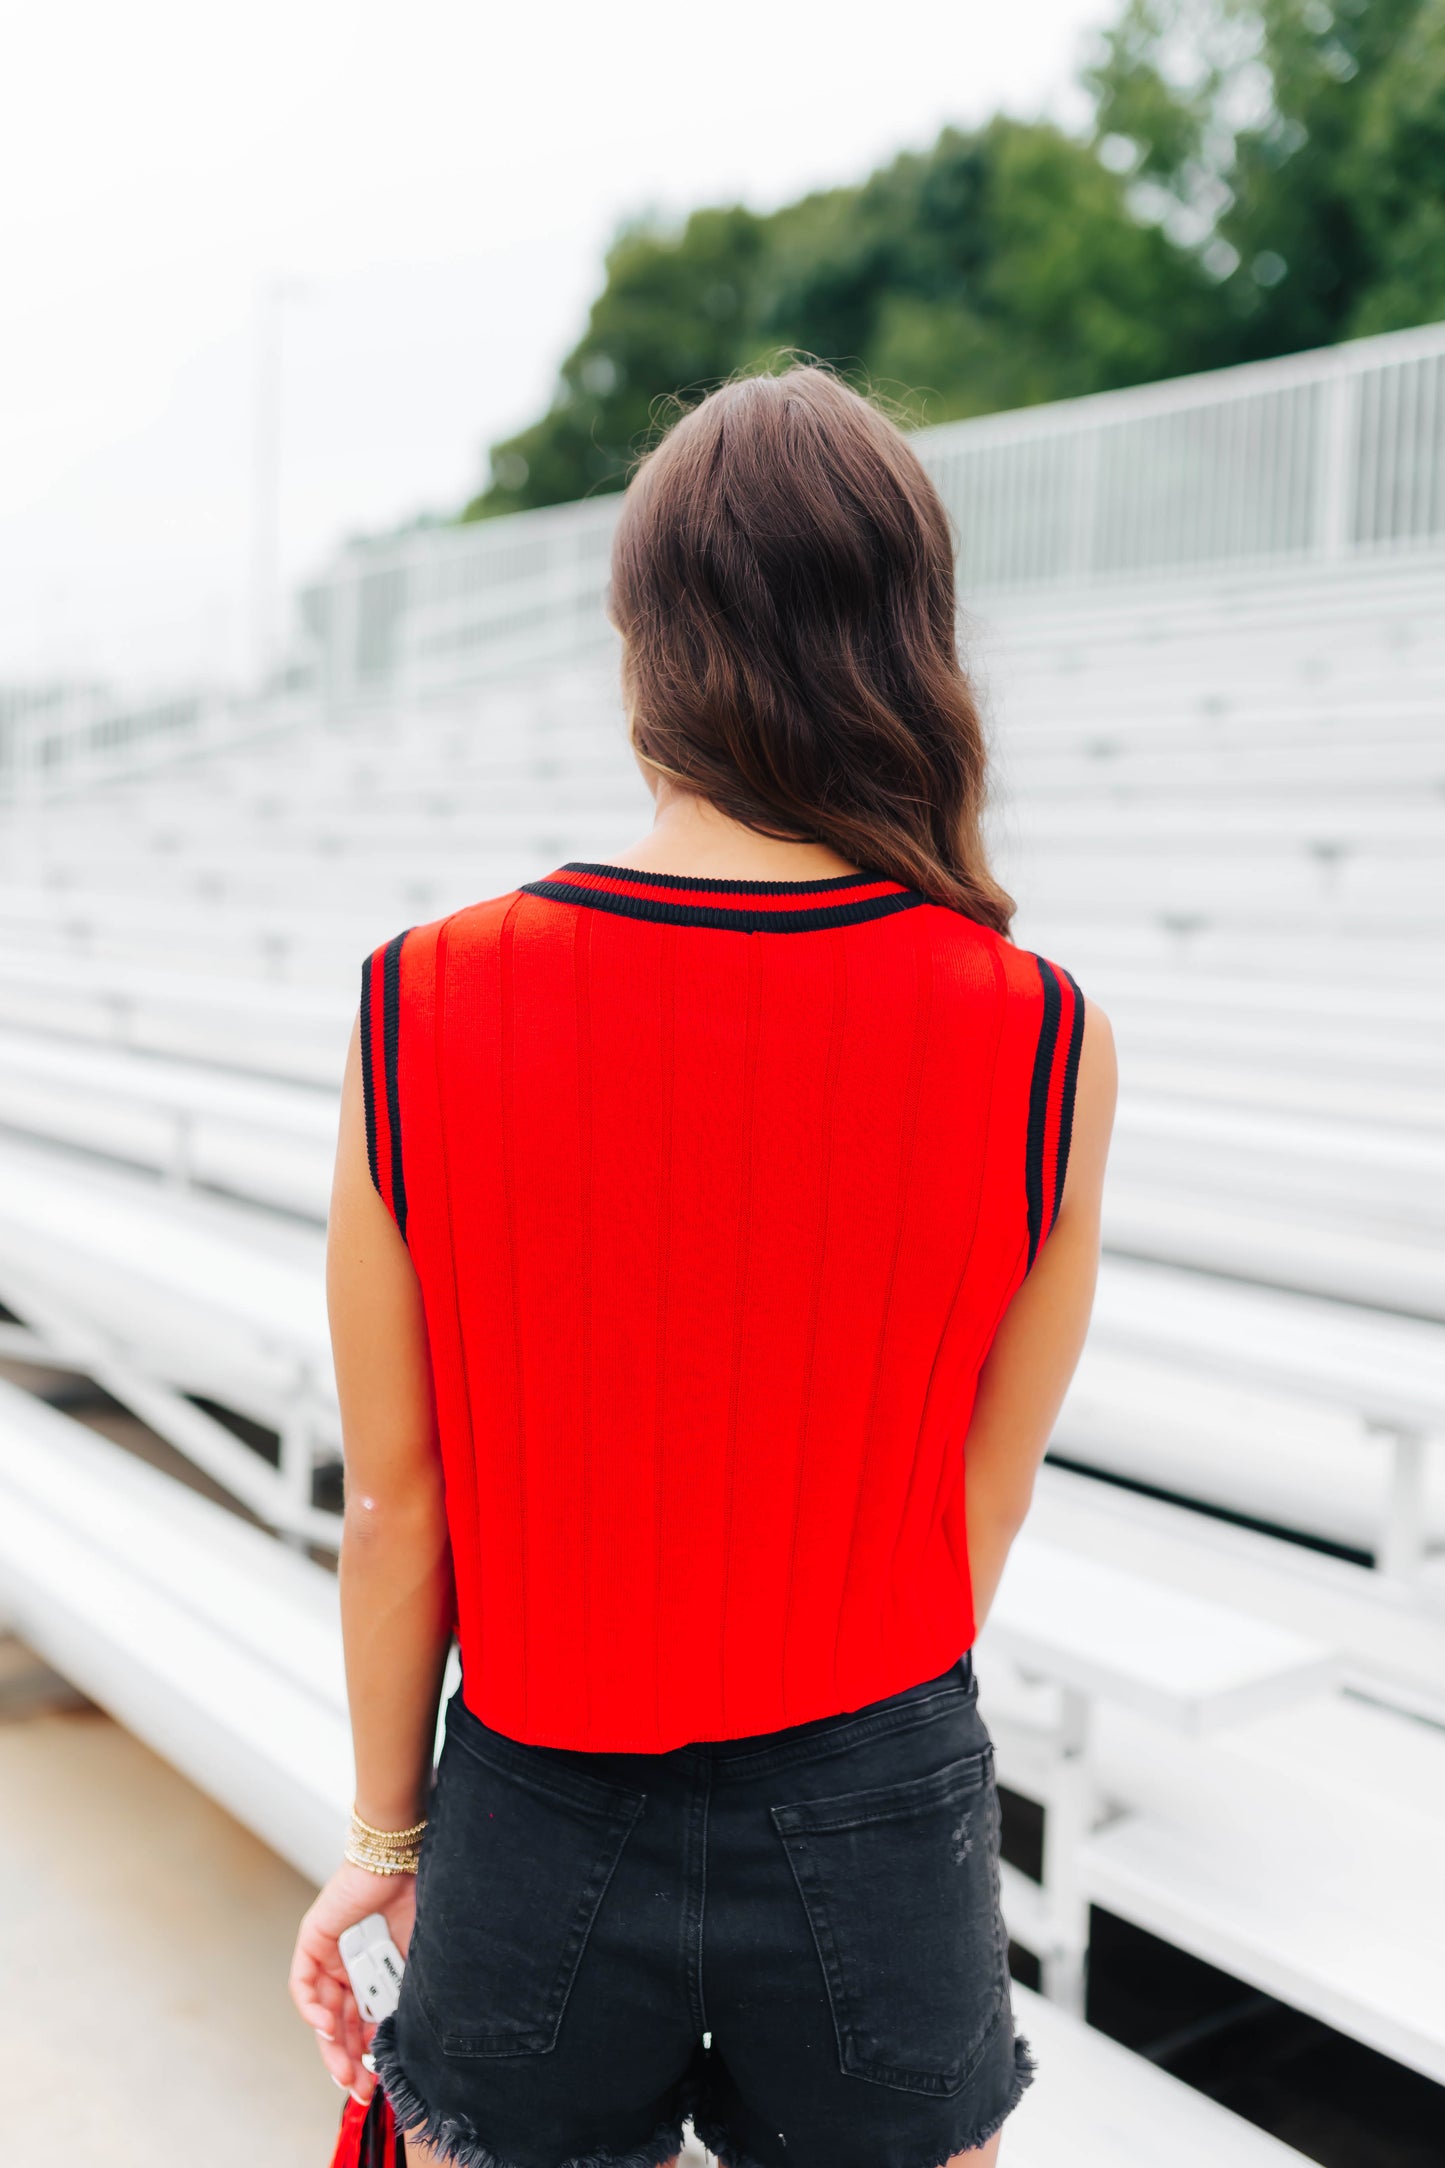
(672, 315)
(1261, 176)
(1397, 175)
(998, 268)
(1298, 146)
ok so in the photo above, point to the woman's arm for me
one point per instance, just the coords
(1037, 1346)
(397, 1600)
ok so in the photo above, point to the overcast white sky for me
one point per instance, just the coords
(439, 179)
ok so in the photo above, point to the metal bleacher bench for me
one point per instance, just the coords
(218, 1646)
(221, 1650)
(255, 1026)
(212, 1295)
(161, 1293)
(193, 1122)
(1389, 1371)
(1094, 2104)
(1213, 1788)
(1077, 1634)
(1304, 1856)
(1189, 1183)
(166, 1299)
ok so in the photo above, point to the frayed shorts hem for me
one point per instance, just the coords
(716, 2139)
(456, 2140)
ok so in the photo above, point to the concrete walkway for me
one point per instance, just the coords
(146, 1937)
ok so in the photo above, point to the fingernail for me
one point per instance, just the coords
(337, 2082)
(323, 2034)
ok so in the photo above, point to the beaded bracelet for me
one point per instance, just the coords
(384, 1851)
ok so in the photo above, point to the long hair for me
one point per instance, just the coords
(782, 576)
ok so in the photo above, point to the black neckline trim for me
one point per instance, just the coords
(804, 919)
(834, 881)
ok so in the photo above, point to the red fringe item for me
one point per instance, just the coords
(369, 2137)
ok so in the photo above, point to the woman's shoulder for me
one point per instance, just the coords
(470, 923)
(1053, 1013)
(1025, 973)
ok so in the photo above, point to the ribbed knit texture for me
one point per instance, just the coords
(714, 1231)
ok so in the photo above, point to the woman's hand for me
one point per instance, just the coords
(319, 1986)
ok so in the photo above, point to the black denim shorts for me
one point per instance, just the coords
(794, 1939)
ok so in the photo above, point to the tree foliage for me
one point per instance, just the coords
(1298, 146)
(1262, 176)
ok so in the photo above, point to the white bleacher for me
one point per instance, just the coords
(1221, 802)
(1205, 1175)
(1300, 1854)
(1358, 1470)
(1202, 1779)
(216, 1645)
(1386, 1371)
(241, 1024)
(1094, 2105)
(164, 1297)
(106, 1562)
(198, 1125)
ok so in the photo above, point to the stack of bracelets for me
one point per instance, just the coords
(384, 1851)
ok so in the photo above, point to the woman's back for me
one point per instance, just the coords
(712, 1241)
(714, 1229)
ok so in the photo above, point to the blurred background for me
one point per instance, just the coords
(327, 339)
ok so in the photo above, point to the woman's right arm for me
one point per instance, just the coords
(397, 1597)
(1041, 1337)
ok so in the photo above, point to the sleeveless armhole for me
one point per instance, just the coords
(1052, 1085)
(380, 1034)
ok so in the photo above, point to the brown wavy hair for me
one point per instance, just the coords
(782, 576)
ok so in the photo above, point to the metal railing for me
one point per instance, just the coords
(56, 735)
(1312, 458)
(445, 606)
(1315, 458)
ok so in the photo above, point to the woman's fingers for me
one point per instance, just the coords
(351, 2030)
(301, 1980)
(322, 1994)
(342, 2066)
(343, 2050)
(319, 2003)
(318, 1981)
(330, 2002)
(314, 1962)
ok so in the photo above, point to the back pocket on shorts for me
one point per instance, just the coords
(516, 1863)
(900, 1885)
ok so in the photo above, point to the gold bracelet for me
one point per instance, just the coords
(384, 1851)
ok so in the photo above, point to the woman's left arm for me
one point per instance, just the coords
(397, 1597)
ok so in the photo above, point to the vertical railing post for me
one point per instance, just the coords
(1334, 494)
(1403, 1534)
(343, 632)
(1084, 511)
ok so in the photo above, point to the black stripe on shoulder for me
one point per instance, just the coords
(1039, 1106)
(390, 1031)
(1071, 1078)
(368, 1085)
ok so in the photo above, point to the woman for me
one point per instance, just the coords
(702, 1303)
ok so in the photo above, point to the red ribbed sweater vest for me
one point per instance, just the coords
(717, 1192)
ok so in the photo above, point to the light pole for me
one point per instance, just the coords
(271, 297)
